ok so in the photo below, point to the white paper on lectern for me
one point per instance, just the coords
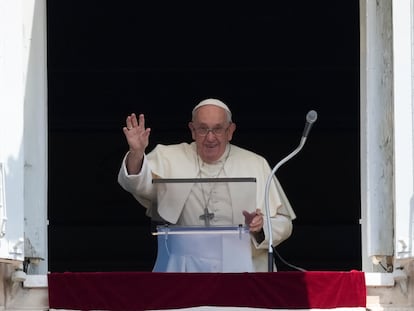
(203, 249)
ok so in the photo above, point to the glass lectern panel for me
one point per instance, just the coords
(208, 245)
(203, 249)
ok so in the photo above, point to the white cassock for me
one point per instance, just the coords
(185, 204)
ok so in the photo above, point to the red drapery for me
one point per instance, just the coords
(124, 291)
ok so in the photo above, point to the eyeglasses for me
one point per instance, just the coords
(217, 131)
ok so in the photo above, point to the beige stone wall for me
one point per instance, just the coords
(14, 296)
(397, 297)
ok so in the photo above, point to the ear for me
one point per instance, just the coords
(191, 127)
(230, 131)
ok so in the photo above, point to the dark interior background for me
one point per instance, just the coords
(271, 62)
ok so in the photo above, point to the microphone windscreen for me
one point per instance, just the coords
(311, 116)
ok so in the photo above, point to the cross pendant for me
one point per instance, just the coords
(207, 216)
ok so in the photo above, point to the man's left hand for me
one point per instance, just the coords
(254, 220)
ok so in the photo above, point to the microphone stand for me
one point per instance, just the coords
(311, 117)
(269, 180)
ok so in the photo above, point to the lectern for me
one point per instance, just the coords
(208, 248)
(203, 249)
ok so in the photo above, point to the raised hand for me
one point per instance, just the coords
(137, 137)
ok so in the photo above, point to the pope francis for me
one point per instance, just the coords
(210, 155)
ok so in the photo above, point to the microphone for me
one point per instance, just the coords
(310, 119)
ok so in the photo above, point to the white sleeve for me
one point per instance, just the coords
(139, 185)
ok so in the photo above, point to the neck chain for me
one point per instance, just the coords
(207, 199)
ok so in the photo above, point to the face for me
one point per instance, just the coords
(211, 131)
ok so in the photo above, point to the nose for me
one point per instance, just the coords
(210, 135)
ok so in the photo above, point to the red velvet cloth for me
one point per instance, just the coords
(124, 291)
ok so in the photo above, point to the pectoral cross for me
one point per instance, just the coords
(207, 216)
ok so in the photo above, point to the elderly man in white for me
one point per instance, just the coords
(210, 155)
